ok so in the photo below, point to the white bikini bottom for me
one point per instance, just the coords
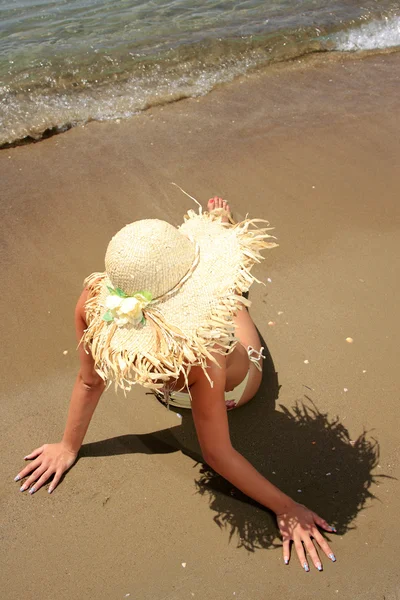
(182, 399)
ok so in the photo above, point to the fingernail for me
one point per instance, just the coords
(286, 561)
(332, 557)
(32, 490)
(333, 529)
(50, 490)
(17, 478)
(22, 488)
(319, 566)
(306, 567)
(25, 457)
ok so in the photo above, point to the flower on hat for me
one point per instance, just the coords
(124, 309)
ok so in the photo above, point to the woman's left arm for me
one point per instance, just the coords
(295, 521)
(55, 459)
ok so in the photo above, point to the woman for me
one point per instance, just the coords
(169, 313)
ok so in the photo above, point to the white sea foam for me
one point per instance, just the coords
(370, 36)
(37, 112)
(38, 94)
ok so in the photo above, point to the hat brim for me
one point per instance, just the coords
(180, 331)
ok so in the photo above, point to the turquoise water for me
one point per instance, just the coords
(64, 62)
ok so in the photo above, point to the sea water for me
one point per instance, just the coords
(67, 62)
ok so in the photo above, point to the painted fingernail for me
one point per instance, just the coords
(22, 488)
(306, 567)
(17, 478)
(319, 566)
(32, 490)
(286, 561)
(333, 529)
(332, 557)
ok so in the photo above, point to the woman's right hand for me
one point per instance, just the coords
(300, 525)
(48, 460)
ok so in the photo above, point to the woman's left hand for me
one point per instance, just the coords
(299, 525)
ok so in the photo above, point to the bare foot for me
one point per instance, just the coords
(219, 203)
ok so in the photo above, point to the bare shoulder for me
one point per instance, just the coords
(80, 305)
(80, 314)
(216, 372)
(87, 366)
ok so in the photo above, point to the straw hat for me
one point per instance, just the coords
(168, 295)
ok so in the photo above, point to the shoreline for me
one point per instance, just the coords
(315, 151)
(309, 60)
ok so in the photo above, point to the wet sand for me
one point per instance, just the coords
(313, 147)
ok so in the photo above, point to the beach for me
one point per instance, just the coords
(313, 146)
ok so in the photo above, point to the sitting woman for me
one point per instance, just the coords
(169, 313)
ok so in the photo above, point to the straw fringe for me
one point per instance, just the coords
(176, 353)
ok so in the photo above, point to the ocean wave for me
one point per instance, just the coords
(375, 35)
(30, 116)
(54, 97)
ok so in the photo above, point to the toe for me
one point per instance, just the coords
(226, 215)
(211, 204)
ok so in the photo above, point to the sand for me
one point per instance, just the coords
(313, 147)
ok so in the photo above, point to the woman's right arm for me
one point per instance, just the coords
(55, 459)
(211, 422)
(296, 522)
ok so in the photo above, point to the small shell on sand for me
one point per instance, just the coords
(349, 340)
(65, 352)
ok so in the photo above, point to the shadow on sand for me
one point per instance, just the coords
(306, 453)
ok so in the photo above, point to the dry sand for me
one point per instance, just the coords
(315, 148)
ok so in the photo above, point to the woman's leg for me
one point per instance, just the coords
(238, 363)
